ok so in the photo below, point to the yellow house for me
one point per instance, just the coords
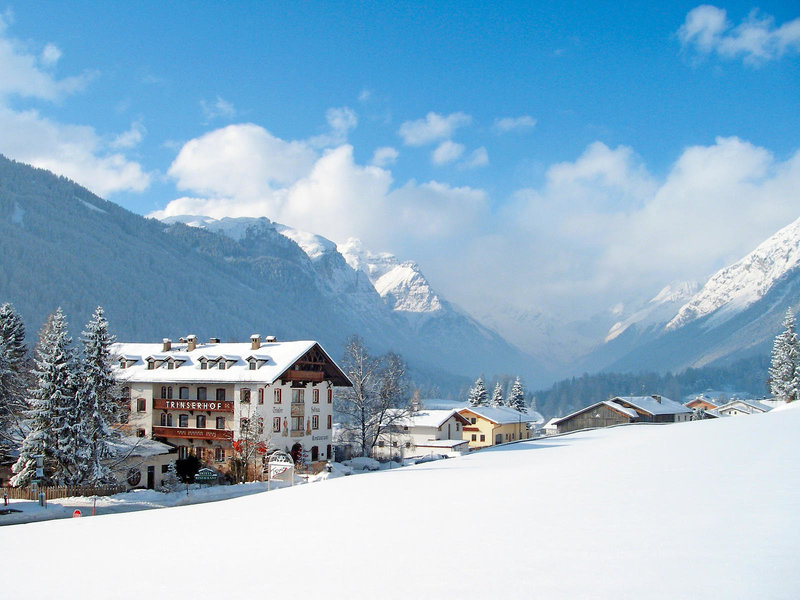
(489, 425)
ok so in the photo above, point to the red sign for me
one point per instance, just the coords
(208, 405)
(200, 434)
(77, 513)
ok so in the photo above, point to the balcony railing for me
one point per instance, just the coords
(198, 434)
(206, 405)
(296, 375)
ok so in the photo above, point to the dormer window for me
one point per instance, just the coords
(170, 364)
(203, 364)
(252, 364)
(123, 364)
(151, 364)
(221, 365)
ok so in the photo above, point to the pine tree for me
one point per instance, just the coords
(477, 395)
(497, 396)
(97, 402)
(517, 398)
(784, 371)
(51, 404)
(13, 376)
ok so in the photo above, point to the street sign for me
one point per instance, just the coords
(77, 513)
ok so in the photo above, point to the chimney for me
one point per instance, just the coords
(191, 342)
(657, 398)
(167, 345)
(255, 341)
(270, 339)
(213, 340)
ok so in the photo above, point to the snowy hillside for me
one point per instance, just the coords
(616, 513)
(734, 288)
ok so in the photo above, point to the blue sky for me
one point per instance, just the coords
(540, 155)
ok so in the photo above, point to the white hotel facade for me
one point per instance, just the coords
(198, 396)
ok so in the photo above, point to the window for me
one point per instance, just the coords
(276, 424)
(474, 437)
(170, 364)
(203, 364)
(166, 420)
(163, 391)
(164, 469)
(330, 395)
(151, 364)
(141, 405)
(123, 363)
(483, 438)
(220, 394)
(297, 423)
(183, 393)
(330, 421)
(458, 426)
(140, 433)
(297, 396)
(472, 420)
(219, 454)
(198, 452)
(182, 453)
(315, 422)
(220, 422)
(201, 421)
(394, 444)
(201, 393)
(261, 395)
(183, 421)
(277, 395)
(221, 365)
(315, 396)
(244, 395)
(252, 365)
(169, 392)
(381, 444)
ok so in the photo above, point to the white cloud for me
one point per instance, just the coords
(478, 158)
(341, 122)
(219, 109)
(235, 171)
(385, 156)
(131, 138)
(434, 127)
(508, 124)
(755, 39)
(50, 55)
(447, 152)
(74, 151)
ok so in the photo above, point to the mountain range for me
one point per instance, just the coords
(64, 246)
(228, 278)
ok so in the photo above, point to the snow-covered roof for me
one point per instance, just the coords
(503, 415)
(138, 446)
(275, 358)
(654, 405)
(747, 405)
(609, 403)
(427, 418)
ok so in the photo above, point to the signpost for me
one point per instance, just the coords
(280, 466)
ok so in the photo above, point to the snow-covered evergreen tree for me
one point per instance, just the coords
(13, 376)
(48, 421)
(171, 482)
(784, 371)
(477, 394)
(516, 399)
(97, 401)
(497, 396)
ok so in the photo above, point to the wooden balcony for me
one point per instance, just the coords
(197, 434)
(202, 405)
(295, 375)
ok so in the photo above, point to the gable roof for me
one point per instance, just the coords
(748, 405)
(277, 357)
(429, 418)
(654, 405)
(503, 415)
(624, 410)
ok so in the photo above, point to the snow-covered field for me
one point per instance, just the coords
(696, 510)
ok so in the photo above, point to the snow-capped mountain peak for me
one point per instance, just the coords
(658, 310)
(734, 288)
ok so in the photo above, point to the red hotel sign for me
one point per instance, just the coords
(198, 434)
(161, 404)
